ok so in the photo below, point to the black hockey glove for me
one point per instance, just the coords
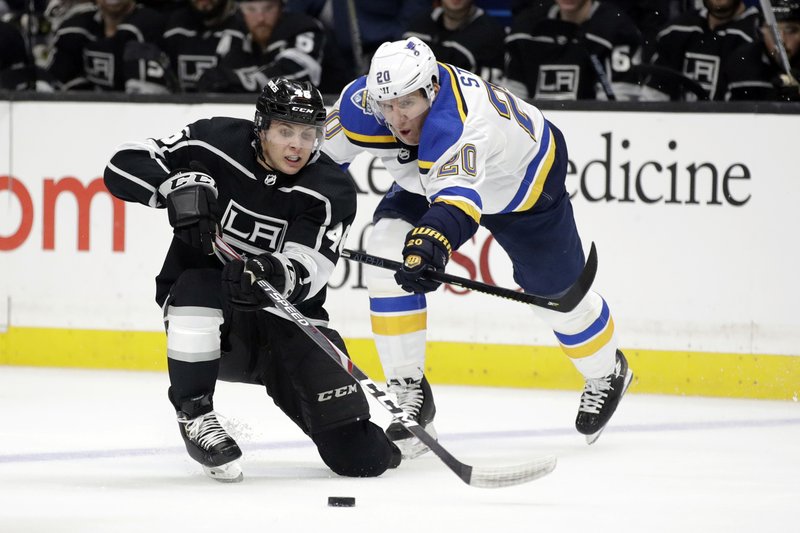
(239, 281)
(787, 88)
(191, 198)
(426, 250)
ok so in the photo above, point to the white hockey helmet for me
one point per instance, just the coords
(401, 67)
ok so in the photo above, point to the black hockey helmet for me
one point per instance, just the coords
(290, 101)
(786, 10)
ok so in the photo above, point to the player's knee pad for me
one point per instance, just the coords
(385, 240)
(193, 334)
(193, 316)
(358, 449)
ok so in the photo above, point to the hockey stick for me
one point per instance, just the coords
(563, 302)
(601, 75)
(684, 83)
(485, 477)
(355, 37)
(769, 18)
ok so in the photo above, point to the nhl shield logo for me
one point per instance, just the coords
(404, 154)
(270, 180)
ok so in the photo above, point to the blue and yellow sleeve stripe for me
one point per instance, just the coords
(467, 200)
(332, 125)
(371, 141)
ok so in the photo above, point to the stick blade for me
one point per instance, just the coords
(507, 476)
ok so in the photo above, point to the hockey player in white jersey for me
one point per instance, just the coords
(465, 152)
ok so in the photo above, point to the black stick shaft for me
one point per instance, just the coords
(564, 302)
(476, 477)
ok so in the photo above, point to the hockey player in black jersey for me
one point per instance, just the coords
(787, 17)
(286, 208)
(278, 44)
(14, 59)
(573, 50)
(92, 50)
(708, 46)
(462, 34)
(201, 34)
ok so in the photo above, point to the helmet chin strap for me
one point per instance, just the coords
(258, 149)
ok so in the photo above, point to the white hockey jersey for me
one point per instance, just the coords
(481, 149)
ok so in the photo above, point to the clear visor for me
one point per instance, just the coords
(397, 111)
(295, 135)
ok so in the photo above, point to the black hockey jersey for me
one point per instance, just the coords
(83, 58)
(305, 216)
(194, 48)
(13, 46)
(13, 59)
(552, 59)
(712, 58)
(477, 46)
(294, 52)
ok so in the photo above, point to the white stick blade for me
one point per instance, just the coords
(506, 476)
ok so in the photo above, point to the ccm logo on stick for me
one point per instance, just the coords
(337, 393)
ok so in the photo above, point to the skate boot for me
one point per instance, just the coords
(207, 441)
(600, 399)
(416, 399)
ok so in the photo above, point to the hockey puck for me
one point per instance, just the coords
(341, 501)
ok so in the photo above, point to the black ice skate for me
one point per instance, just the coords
(416, 399)
(209, 444)
(600, 399)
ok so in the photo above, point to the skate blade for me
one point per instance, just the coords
(227, 473)
(591, 439)
(412, 447)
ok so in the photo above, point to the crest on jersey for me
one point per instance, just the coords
(251, 232)
(404, 154)
(192, 67)
(702, 68)
(558, 82)
(270, 179)
(99, 67)
(359, 100)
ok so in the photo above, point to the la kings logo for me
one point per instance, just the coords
(192, 67)
(251, 232)
(99, 67)
(702, 68)
(558, 82)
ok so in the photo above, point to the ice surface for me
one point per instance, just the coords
(99, 451)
